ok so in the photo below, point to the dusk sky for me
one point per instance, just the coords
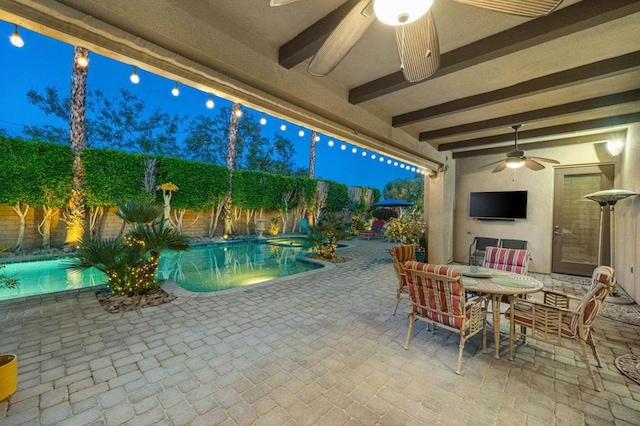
(44, 62)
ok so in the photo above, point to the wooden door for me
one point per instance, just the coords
(576, 220)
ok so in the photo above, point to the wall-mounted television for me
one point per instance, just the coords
(499, 205)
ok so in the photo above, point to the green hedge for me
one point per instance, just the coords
(200, 185)
(338, 196)
(34, 173)
(112, 176)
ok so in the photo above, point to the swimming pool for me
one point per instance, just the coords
(202, 269)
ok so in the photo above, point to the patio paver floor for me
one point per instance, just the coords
(319, 349)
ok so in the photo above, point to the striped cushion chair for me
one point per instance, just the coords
(505, 259)
(554, 322)
(438, 298)
(400, 255)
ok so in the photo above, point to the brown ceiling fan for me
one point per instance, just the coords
(416, 35)
(517, 158)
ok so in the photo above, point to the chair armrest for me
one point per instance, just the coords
(558, 298)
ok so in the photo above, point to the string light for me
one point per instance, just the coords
(381, 159)
(15, 38)
(210, 104)
(343, 147)
(354, 149)
(330, 143)
(364, 153)
(388, 161)
(263, 120)
(317, 138)
(301, 132)
(373, 156)
(239, 112)
(413, 169)
(402, 166)
(395, 163)
(283, 126)
(175, 91)
(135, 79)
(82, 60)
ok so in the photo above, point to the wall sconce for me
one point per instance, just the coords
(615, 147)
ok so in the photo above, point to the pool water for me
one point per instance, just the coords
(201, 269)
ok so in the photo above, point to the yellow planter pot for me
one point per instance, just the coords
(8, 375)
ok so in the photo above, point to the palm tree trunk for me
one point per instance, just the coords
(76, 207)
(312, 155)
(231, 160)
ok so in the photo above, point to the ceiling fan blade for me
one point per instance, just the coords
(527, 8)
(341, 40)
(418, 48)
(281, 2)
(500, 168)
(544, 160)
(490, 164)
(532, 164)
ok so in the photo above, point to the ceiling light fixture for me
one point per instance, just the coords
(400, 12)
(263, 120)
(15, 38)
(514, 162)
(615, 147)
(175, 91)
(135, 79)
(210, 104)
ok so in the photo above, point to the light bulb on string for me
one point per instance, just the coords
(317, 138)
(263, 120)
(402, 166)
(343, 147)
(15, 38)
(330, 143)
(301, 133)
(210, 104)
(354, 149)
(388, 161)
(82, 60)
(395, 163)
(413, 169)
(134, 78)
(283, 126)
(381, 159)
(364, 153)
(373, 156)
(175, 91)
(239, 113)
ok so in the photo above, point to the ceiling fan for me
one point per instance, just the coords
(516, 158)
(416, 36)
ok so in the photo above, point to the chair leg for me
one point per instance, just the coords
(512, 337)
(484, 335)
(411, 321)
(398, 296)
(594, 349)
(585, 359)
(462, 340)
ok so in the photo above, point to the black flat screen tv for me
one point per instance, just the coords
(501, 205)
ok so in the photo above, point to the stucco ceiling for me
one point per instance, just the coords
(576, 70)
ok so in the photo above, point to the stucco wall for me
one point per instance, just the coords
(537, 228)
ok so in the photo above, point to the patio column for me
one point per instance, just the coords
(439, 190)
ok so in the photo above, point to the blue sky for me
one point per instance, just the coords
(44, 62)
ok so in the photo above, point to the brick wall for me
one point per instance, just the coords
(194, 224)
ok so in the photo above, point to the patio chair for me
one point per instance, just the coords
(438, 298)
(553, 322)
(304, 226)
(377, 226)
(480, 244)
(513, 244)
(400, 255)
(506, 259)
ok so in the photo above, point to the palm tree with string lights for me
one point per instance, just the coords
(75, 212)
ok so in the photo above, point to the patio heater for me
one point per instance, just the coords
(609, 198)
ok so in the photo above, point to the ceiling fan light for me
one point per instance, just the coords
(400, 12)
(515, 163)
(615, 147)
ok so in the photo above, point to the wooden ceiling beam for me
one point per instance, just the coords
(563, 22)
(592, 138)
(308, 42)
(581, 126)
(538, 114)
(558, 80)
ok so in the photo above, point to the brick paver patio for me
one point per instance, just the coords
(322, 348)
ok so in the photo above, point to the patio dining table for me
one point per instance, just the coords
(497, 284)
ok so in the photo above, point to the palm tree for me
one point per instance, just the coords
(131, 263)
(312, 154)
(74, 215)
(231, 159)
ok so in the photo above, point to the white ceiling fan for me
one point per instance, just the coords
(416, 35)
(516, 158)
